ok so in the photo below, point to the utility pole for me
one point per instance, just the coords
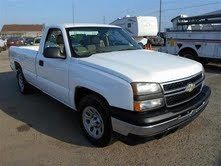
(104, 20)
(160, 16)
(73, 16)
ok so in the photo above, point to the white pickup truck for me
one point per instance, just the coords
(104, 74)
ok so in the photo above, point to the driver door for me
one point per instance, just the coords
(53, 72)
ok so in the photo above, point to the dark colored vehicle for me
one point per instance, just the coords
(29, 41)
(15, 41)
(37, 41)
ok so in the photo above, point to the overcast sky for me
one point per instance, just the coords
(93, 11)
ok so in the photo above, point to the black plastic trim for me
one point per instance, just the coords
(148, 97)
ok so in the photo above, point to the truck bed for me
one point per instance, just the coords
(26, 56)
(23, 50)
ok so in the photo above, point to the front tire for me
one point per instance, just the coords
(95, 120)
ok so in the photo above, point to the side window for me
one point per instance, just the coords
(129, 25)
(55, 39)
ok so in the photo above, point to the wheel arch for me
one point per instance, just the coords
(17, 65)
(185, 49)
(81, 92)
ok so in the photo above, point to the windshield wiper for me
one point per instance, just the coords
(97, 52)
(127, 49)
(105, 51)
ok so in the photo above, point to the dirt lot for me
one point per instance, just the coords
(37, 130)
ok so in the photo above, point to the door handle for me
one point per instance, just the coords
(41, 63)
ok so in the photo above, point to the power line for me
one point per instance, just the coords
(189, 7)
(186, 7)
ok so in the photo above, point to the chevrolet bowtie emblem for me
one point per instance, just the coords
(190, 87)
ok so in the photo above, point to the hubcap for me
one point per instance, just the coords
(93, 123)
(21, 82)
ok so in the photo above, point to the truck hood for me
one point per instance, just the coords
(143, 65)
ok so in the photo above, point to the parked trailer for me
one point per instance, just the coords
(140, 27)
(197, 38)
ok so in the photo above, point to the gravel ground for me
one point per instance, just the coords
(37, 130)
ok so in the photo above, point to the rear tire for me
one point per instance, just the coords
(192, 55)
(23, 85)
(189, 54)
(95, 120)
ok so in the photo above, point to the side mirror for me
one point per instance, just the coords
(53, 52)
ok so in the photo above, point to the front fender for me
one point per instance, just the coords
(116, 91)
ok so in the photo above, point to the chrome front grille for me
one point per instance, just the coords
(176, 92)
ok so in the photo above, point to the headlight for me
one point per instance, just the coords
(140, 106)
(147, 96)
(145, 88)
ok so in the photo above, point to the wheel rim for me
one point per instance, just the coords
(21, 82)
(93, 122)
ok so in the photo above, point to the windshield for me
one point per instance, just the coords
(87, 41)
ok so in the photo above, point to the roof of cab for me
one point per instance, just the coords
(83, 25)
